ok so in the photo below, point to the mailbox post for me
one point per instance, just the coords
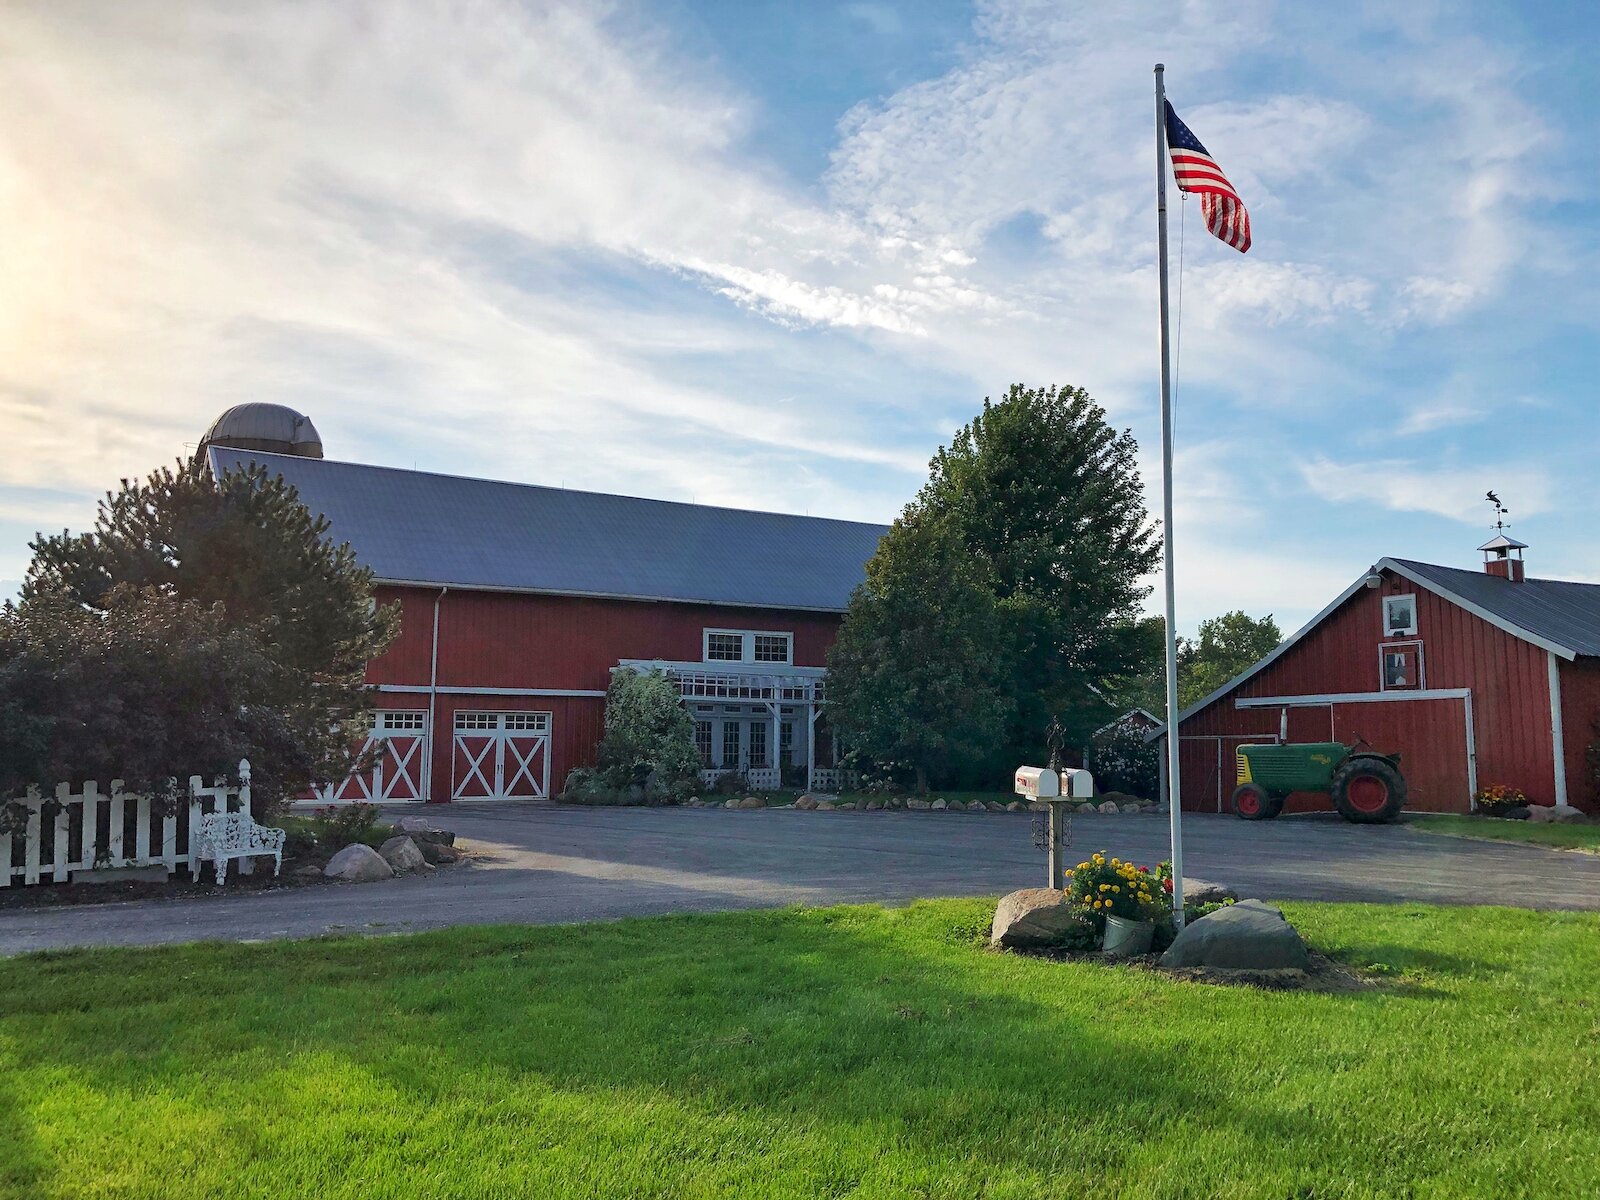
(1043, 784)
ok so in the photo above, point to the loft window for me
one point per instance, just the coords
(724, 647)
(1399, 615)
(1401, 664)
(772, 647)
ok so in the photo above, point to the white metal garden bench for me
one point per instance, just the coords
(222, 836)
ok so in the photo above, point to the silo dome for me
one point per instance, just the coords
(273, 428)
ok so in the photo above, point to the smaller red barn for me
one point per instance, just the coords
(1475, 677)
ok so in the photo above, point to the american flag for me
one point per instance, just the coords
(1197, 171)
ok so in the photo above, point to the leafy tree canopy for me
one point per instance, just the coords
(1227, 645)
(1046, 498)
(188, 557)
(648, 732)
(914, 678)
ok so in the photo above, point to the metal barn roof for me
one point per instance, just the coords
(1555, 613)
(416, 527)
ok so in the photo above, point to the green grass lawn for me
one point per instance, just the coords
(849, 1052)
(1537, 833)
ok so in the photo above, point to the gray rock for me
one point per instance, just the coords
(421, 829)
(1558, 814)
(1249, 935)
(806, 803)
(1203, 891)
(995, 806)
(358, 863)
(897, 803)
(916, 805)
(1016, 806)
(826, 806)
(308, 872)
(1109, 806)
(955, 805)
(437, 852)
(1034, 918)
(874, 805)
(1131, 807)
(731, 802)
(939, 805)
(752, 802)
(402, 854)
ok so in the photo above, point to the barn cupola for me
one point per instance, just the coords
(1502, 556)
(272, 428)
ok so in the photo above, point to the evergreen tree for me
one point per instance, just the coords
(914, 676)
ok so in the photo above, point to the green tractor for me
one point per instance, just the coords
(1366, 786)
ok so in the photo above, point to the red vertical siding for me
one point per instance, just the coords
(1580, 728)
(553, 643)
(1508, 678)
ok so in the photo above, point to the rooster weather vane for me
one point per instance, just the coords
(1500, 511)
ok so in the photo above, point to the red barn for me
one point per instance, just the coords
(1474, 677)
(518, 602)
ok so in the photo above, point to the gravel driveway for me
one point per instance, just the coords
(543, 864)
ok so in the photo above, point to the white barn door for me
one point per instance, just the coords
(500, 756)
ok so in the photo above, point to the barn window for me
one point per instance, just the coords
(1401, 666)
(772, 647)
(724, 647)
(1399, 615)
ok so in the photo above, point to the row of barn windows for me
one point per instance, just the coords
(1400, 662)
(748, 646)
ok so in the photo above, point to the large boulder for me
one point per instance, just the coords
(1034, 918)
(1557, 813)
(752, 802)
(358, 863)
(806, 803)
(438, 852)
(402, 854)
(420, 830)
(1248, 936)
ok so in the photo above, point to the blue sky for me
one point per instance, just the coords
(773, 254)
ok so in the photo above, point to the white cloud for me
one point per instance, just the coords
(1403, 485)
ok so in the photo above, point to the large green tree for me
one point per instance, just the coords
(1227, 646)
(240, 556)
(914, 678)
(1045, 496)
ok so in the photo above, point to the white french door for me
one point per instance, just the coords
(500, 756)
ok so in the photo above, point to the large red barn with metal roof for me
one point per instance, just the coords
(1476, 677)
(518, 602)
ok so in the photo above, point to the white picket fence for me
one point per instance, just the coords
(92, 829)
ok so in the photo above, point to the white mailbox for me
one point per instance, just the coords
(1077, 783)
(1037, 783)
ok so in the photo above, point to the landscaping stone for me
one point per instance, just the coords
(1558, 814)
(1203, 891)
(826, 806)
(1130, 808)
(1248, 936)
(731, 802)
(752, 802)
(940, 804)
(955, 805)
(1108, 806)
(437, 853)
(422, 830)
(918, 805)
(996, 806)
(1016, 806)
(308, 871)
(402, 854)
(895, 802)
(874, 805)
(358, 863)
(806, 803)
(1034, 918)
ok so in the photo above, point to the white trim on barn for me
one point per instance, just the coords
(1558, 738)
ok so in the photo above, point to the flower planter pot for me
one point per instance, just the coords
(1125, 938)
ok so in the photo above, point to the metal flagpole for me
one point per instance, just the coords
(1174, 802)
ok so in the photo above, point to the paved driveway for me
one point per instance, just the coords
(549, 865)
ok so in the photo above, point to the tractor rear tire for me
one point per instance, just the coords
(1252, 802)
(1368, 790)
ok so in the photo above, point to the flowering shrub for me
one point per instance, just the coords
(1498, 800)
(1109, 887)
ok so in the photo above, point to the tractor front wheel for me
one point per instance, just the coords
(1368, 790)
(1252, 802)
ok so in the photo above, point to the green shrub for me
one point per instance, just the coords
(649, 739)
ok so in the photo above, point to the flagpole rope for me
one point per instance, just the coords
(1177, 341)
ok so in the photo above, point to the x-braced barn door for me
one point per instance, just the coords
(501, 756)
(399, 746)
